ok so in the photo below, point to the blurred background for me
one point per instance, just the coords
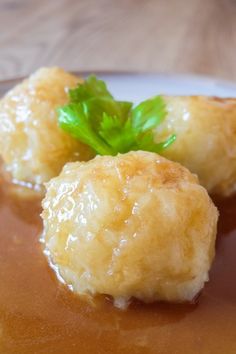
(174, 36)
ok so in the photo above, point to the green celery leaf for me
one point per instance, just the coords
(148, 114)
(74, 120)
(119, 135)
(90, 88)
(95, 107)
(109, 126)
(146, 142)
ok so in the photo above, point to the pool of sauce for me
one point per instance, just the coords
(38, 314)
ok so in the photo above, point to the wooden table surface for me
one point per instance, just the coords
(183, 36)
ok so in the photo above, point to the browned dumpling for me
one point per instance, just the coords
(32, 146)
(134, 225)
(206, 139)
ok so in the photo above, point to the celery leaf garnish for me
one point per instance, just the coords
(109, 126)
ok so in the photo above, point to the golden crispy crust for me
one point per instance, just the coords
(32, 145)
(206, 139)
(131, 225)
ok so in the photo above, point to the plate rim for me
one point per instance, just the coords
(168, 75)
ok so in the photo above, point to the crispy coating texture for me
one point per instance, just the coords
(134, 225)
(33, 147)
(206, 139)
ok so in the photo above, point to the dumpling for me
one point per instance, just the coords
(206, 139)
(134, 225)
(32, 146)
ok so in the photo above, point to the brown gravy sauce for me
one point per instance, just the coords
(40, 315)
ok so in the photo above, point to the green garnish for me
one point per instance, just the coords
(95, 118)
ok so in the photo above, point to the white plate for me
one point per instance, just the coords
(141, 86)
(136, 87)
